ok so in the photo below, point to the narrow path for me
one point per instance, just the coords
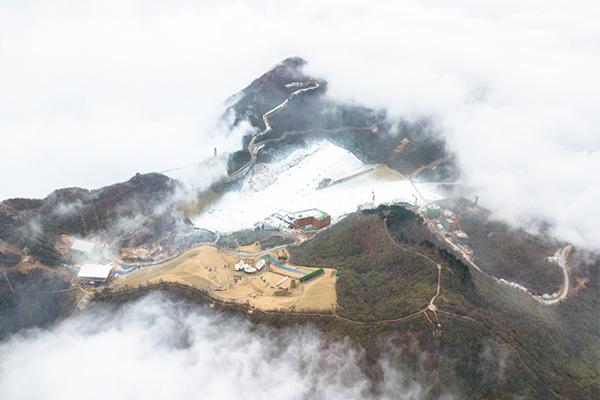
(439, 285)
(431, 305)
(257, 254)
(61, 290)
(205, 294)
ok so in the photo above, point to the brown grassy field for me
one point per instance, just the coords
(212, 270)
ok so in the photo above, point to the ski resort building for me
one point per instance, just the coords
(95, 273)
(310, 218)
(305, 221)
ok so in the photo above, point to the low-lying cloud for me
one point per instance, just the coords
(94, 93)
(160, 349)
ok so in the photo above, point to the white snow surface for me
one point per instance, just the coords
(291, 185)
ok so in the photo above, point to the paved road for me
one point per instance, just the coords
(253, 148)
(561, 258)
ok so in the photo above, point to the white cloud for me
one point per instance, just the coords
(93, 93)
(159, 349)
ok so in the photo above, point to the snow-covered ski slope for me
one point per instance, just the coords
(292, 185)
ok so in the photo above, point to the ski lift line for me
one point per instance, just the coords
(197, 164)
(164, 171)
(9, 284)
(247, 167)
(244, 169)
(49, 250)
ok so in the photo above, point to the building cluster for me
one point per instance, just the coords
(305, 221)
(95, 273)
(552, 296)
(447, 223)
(522, 288)
(249, 269)
(513, 284)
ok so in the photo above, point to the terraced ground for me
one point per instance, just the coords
(210, 270)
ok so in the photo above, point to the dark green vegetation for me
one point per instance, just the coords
(9, 259)
(506, 252)
(311, 275)
(496, 343)
(377, 279)
(579, 318)
(33, 299)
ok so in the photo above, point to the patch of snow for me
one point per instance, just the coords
(291, 185)
(84, 246)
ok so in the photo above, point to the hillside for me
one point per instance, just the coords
(436, 287)
(506, 252)
(33, 299)
(309, 113)
(479, 318)
(145, 203)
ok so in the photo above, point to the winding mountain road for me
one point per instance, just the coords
(561, 257)
(254, 148)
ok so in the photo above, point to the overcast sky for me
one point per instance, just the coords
(92, 93)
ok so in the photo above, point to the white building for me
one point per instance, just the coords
(448, 214)
(460, 234)
(95, 273)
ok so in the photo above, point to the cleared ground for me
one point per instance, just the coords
(28, 264)
(212, 270)
(251, 248)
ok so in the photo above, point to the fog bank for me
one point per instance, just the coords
(160, 349)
